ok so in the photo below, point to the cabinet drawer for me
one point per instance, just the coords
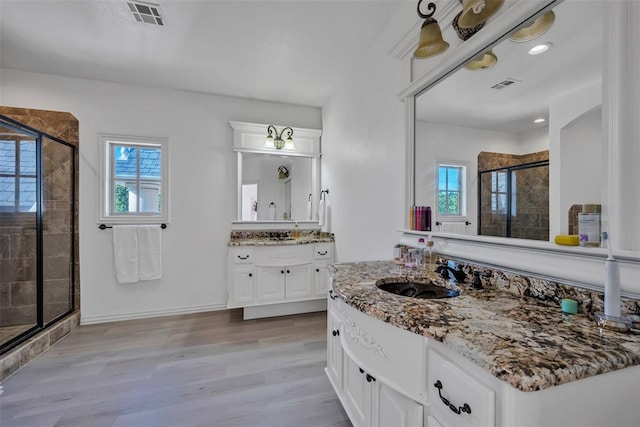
(242, 256)
(392, 355)
(458, 387)
(323, 251)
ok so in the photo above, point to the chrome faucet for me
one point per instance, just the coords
(458, 274)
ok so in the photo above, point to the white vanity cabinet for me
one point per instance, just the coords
(370, 402)
(367, 367)
(279, 279)
(286, 282)
(322, 255)
(334, 348)
(386, 376)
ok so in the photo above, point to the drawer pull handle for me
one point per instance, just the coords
(288, 272)
(323, 253)
(317, 270)
(250, 274)
(361, 370)
(281, 271)
(464, 408)
(243, 257)
(331, 295)
(370, 378)
(335, 332)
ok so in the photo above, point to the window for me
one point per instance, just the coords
(451, 190)
(499, 192)
(18, 173)
(134, 179)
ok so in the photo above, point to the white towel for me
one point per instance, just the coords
(149, 252)
(321, 213)
(125, 253)
(454, 227)
(310, 210)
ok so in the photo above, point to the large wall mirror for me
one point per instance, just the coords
(518, 142)
(276, 185)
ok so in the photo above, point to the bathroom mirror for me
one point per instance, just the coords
(276, 185)
(492, 111)
(275, 188)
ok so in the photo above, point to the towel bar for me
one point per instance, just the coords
(104, 226)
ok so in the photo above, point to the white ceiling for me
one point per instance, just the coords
(287, 51)
(575, 60)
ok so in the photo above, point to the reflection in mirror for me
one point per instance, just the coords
(275, 188)
(528, 175)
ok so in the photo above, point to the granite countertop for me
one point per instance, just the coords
(278, 238)
(524, 341)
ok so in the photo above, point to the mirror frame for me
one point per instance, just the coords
(544, 259)
(249, 138)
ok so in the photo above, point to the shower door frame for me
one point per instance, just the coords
(40, 323)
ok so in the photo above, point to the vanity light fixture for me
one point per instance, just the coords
(274, 138)
(540, 120)
(475, 12)
(540, 48)
(431, 42)
(534, 29)
(483, 61)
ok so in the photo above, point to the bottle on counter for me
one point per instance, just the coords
(296, 231)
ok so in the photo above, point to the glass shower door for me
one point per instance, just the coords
(57, 228)
(18, 233)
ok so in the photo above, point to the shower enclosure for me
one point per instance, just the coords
(37, 249)
(514, 201)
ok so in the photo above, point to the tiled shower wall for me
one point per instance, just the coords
(532, 194)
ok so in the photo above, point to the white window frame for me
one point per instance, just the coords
(105, 199)
(464, 190)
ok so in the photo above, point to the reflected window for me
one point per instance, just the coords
(135, 177)
(451, 190)
(18, 174)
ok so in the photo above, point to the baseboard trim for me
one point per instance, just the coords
(284, 309)
(90, 320)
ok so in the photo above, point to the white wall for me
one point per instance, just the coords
(363, 155)
(203, 183)
(534, 140)
(581, 174)
(563, 110)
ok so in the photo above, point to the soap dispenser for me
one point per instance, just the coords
(296, 231)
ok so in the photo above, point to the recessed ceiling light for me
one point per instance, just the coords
(540, 48)
(540, 120)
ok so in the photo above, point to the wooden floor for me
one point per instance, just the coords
(208, 369)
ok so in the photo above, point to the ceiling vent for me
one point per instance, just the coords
(505, 83)
(146, 12)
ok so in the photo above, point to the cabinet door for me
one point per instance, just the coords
(357, 393)
(298, 281)
(334, 350)
(393, 409)
(320, 279)
(241, 291)
(270, 285)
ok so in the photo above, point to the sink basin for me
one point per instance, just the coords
(418, 290)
